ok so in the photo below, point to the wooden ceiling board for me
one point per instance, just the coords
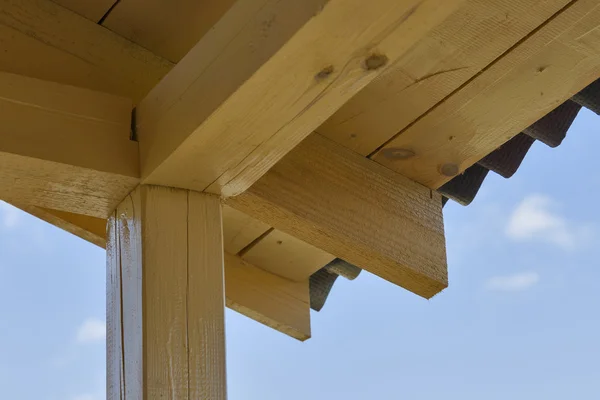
(536, 76)
(167, 28)
(91, 9)
(460, 48)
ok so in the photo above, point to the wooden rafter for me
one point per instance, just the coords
(181, 72)
(271, 80)
(357, 210)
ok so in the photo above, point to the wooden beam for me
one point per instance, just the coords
(262, 79)
(63, 147)
(276, 302)
(239, 230)
(41, 39)
(356, 210)
(167, 28)
(541, 72)
(459, 48)
(165, 297)
(286, 256)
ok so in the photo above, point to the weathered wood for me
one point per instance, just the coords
(541, 72)
(166, 255)
(356, 210)
(44, 40)
(262, 79)
(279, 303)
(459, 48)
(167, 28)
(82, 160)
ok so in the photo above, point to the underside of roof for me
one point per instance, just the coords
(505, 161)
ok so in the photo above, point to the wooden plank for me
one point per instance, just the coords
(82, 161)
(206, 298)
(91, 9)
(262, 79)
(540, 73)
(114, 338)
(286, 256)
(239, 230)
(356, 210)
(276, 302)
(44, 40)
(279, 303)
(167, 28)
(173, 323)
(459, 48)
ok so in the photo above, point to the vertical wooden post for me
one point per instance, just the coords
(165, 297)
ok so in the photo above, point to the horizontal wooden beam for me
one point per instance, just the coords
(63, 147)
(276, 302)
(537, 75)
(356, 210)
(266, 75)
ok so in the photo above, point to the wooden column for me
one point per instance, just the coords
(165, 297)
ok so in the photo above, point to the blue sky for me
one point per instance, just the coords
(519, 320)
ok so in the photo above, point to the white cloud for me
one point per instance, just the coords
(9, 215)
(535, 218)
(512, 283)
(515, 282)
(92, 330)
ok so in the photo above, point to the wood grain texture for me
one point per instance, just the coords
(459, 48)
(167, 28)
(239, 230)
(356, 210)
(41, 39)
(170, 260)
(286, 256)
(206, 299)
(541, 72)
(279, 303)
(91, 61)
(262, 79)
(114, 314)
(91, 9)
(82, 161)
